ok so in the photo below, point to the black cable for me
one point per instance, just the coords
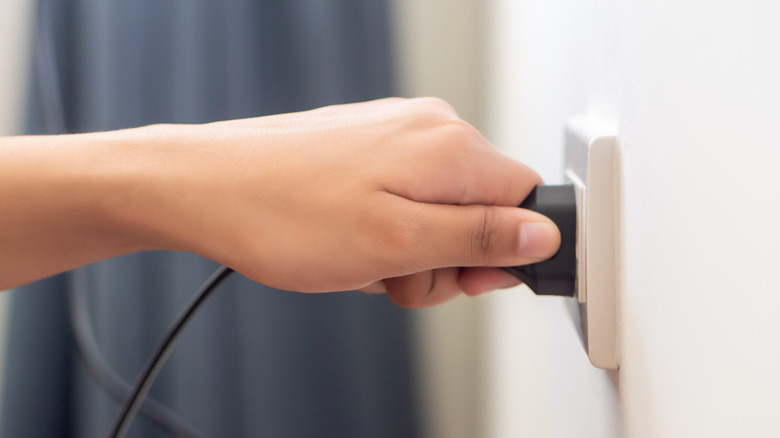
(106, 377)
(161, 353)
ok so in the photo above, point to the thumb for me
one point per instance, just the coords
(478, 235)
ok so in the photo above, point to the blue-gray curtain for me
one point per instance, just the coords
(256, 362)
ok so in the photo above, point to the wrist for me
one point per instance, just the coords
(128, 175)
(109, 187)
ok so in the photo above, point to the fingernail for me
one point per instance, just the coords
(538, 240)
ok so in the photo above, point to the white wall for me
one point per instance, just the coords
(702, 339)
(695, 88)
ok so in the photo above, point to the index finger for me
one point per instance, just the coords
(465, 171)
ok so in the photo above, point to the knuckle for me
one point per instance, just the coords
(456, 132)
(484, 237)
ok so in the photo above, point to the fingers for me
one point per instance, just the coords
(480, 174)
(424, 289)
(444, 160)
(430, 288)
(463, 175)
(478, 237)
(478, 280)
(475, 235)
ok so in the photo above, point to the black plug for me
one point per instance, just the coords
(558, 274)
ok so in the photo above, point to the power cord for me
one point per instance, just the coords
(101, 371)
(161, 353)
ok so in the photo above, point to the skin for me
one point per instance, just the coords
(395, 195)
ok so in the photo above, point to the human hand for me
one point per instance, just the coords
(395, 194)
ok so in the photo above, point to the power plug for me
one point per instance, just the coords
(558, 274)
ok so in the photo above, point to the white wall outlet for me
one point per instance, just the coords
(592, 164)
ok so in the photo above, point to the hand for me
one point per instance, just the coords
(391, 194)
(395, 194)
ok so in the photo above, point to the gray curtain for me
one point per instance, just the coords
(256, 362)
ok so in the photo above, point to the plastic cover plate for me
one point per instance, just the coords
(592, 164)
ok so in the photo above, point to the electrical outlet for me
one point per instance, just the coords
(592, 164)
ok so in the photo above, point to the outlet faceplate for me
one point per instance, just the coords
(593, 166)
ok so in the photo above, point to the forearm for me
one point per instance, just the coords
(66, 201)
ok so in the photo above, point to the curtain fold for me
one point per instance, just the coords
(255, 362)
